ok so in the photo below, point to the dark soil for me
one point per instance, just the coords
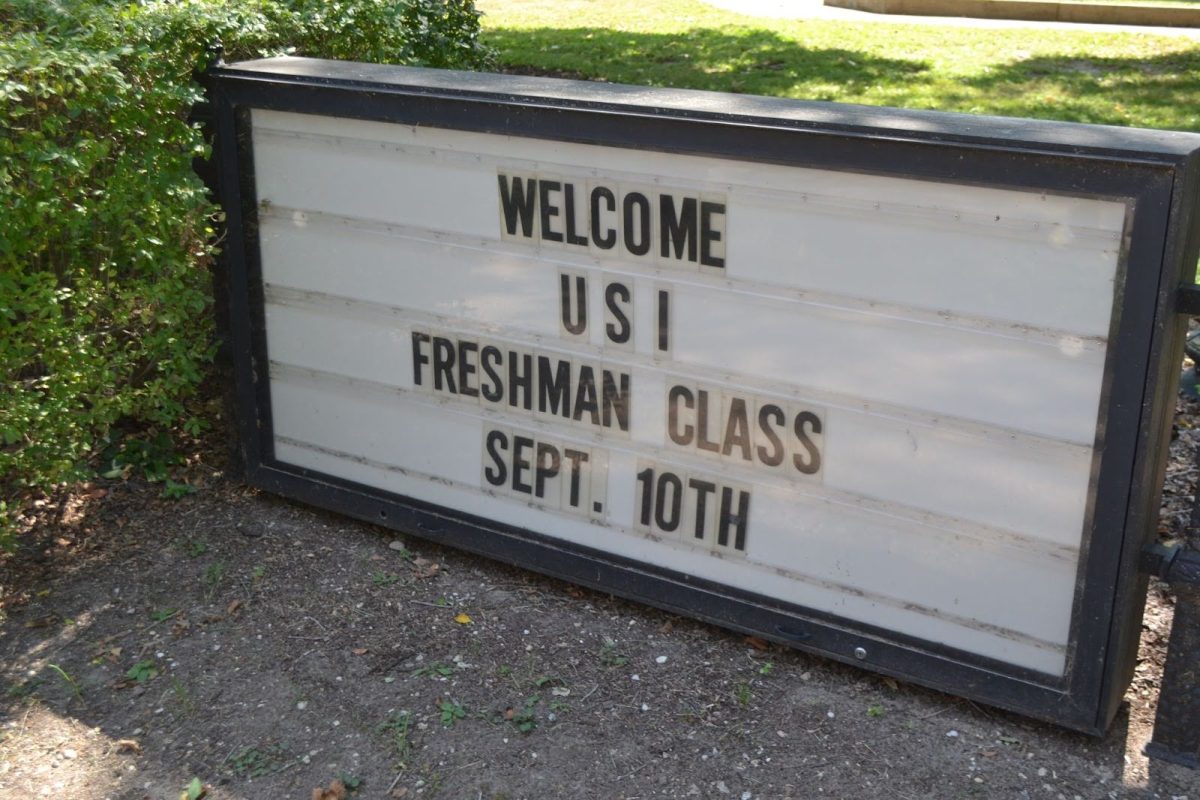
(268, 650)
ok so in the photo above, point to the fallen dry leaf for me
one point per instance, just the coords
(756, 643)
(359, 651)
(425, 568)
(509, 714)
(892, 684)
(666, 627)
(128, 746)
(105, 651)
(462, 619)
(233, 607)
(336, 791)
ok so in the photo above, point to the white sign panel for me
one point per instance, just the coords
(870, 396)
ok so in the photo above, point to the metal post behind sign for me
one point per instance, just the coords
(1176, 733)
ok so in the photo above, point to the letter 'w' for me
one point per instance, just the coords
(518, 202)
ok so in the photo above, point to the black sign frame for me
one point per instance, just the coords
(1155, 173)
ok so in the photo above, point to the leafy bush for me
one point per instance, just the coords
(105, 232)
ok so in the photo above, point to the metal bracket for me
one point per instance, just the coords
(1187, 300)
(1172, 563)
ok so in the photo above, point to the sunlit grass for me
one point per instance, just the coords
(1085, 76)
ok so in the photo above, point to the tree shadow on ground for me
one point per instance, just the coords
(1112, 91)
(1162, 92)
(753, 61)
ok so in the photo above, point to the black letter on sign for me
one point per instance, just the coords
(554, 387)
(419, 357)
(569, 198)
(702, 440)
(728, 518)
(548, 210)
(708, 235)
(664, 323)
(577, 327)
(518, 203)
(774, 456)
(521, 463)
(607, 239)
(677, 230)
(547, 466)
(443, 365)
(615, 400)
(737, 429)
(641, 228)
(586, 398)
(518, 381)
(703, 490)
(667, 512)
(489, 359)
(675, 396)
(810, 420)
(645, 480)
(466, 369)
(496, 475)
(576, 457)
(617, 295)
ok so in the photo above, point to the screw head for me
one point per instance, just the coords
(860, 653)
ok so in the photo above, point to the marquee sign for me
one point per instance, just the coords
(888, 386)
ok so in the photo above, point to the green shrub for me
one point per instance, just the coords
(105, 232)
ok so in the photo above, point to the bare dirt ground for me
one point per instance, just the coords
(258, 649)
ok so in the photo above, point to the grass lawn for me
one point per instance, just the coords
(1084, 76)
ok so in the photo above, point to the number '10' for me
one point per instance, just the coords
(662, 506)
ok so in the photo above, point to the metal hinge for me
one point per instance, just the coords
(1187, 300)
(1172, 563)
